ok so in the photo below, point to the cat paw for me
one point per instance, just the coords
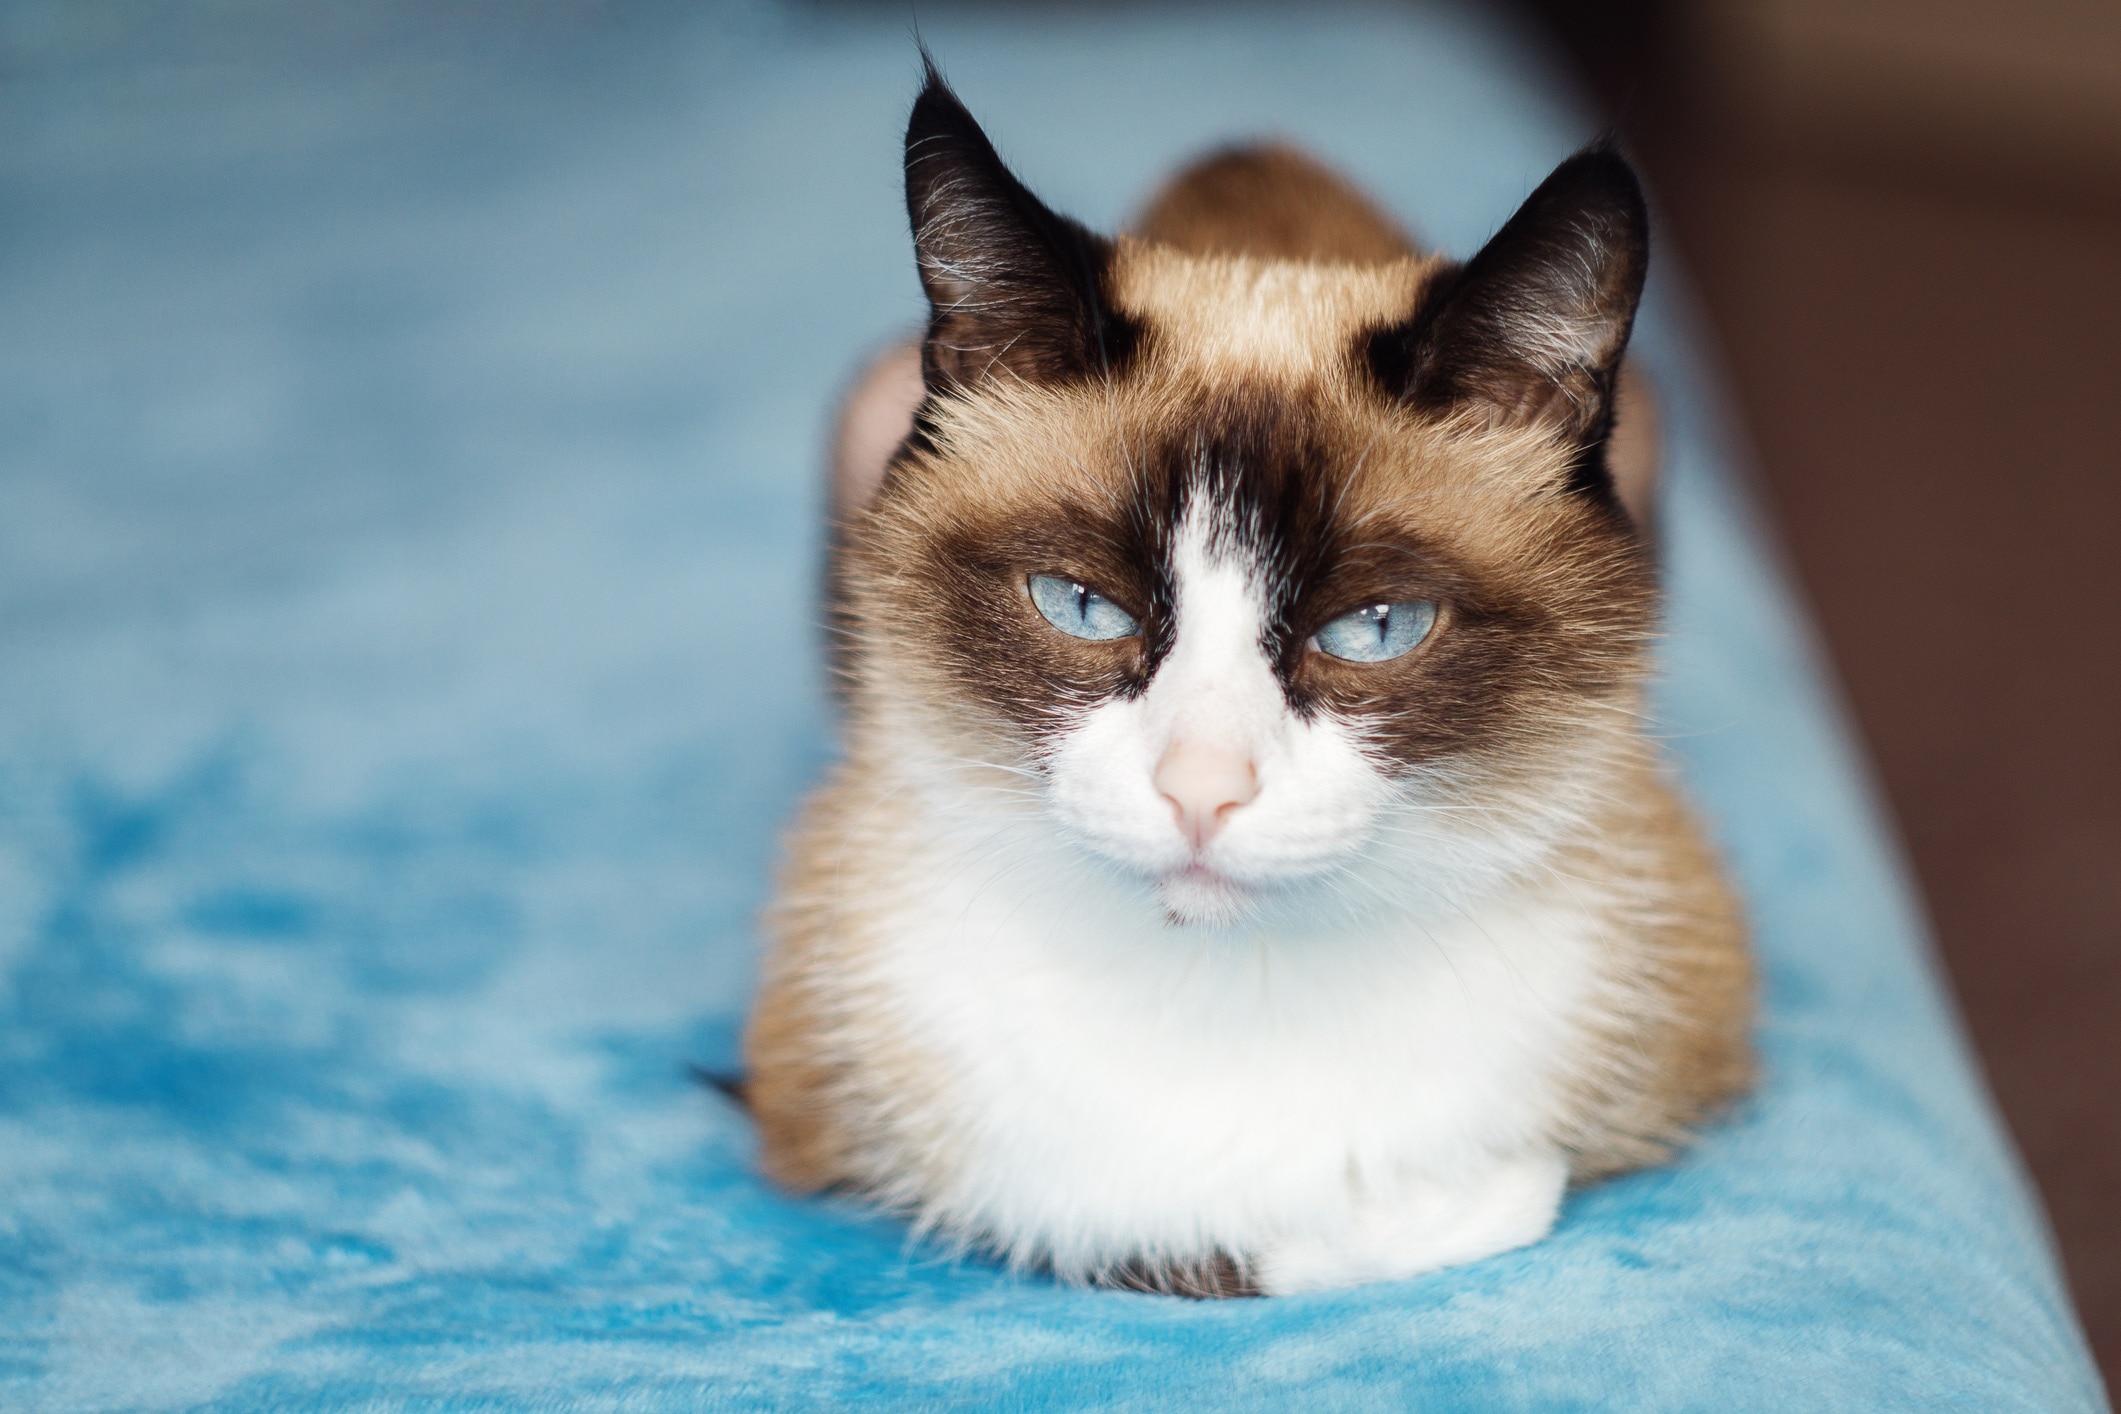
(1424, 1227)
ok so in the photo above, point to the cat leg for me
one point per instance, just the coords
(1422, 1227)
(1633, 450)
(874, 419)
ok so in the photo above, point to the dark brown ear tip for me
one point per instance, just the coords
(1599, 178)
(933, 84)
(1601, 160)
(1012, 285)
(938, 113)
(942, 138)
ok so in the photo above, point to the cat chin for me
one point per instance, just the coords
(1198, 896)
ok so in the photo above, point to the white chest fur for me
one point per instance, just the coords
(1108, 1084)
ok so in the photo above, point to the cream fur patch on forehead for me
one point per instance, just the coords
(1237, 315)
(1023, 444)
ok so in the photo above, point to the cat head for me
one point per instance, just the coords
(1253, 575)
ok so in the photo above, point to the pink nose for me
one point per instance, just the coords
(1206, 785)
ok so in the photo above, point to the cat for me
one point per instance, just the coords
(1248, 871)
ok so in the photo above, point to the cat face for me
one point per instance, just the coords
(1255, 575)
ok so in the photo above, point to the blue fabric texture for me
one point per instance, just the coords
(408, 525)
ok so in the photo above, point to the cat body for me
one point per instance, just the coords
(1247, 870)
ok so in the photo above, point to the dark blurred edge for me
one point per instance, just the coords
(1904, 221)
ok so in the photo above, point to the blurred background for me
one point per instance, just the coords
(1903, 221)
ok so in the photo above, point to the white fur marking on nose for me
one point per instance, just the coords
(1215, 703)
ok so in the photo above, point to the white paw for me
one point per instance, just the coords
(1424, 1226)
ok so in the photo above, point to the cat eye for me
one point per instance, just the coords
(1079, 611)
(1376, 632)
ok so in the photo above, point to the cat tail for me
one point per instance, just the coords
(734, 1085)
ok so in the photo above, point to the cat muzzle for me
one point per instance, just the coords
(1206, 786)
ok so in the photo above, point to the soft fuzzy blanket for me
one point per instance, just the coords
(409, 421)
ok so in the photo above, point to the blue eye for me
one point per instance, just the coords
(1377, 632)
(1079, 611)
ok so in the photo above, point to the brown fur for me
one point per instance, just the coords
(1246, 296)
(822, 1079)
(1676, 1045)
(1272, 203)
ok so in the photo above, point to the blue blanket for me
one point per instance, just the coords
(408, 655)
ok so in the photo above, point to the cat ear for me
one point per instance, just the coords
(1013, 288)
(1533, 327)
